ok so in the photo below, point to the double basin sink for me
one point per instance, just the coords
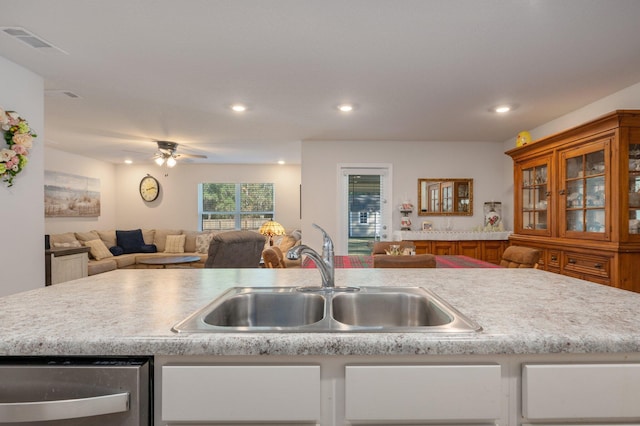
(347, 309)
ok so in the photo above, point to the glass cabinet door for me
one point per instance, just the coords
(534, 203)
(634, 190)
(583, 193)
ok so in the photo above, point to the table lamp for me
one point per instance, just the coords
(271, 228)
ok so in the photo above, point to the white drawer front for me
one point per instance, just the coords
(582, 391)
(423, 392)
(241, 393)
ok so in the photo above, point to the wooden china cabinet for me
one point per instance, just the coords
(577, 199)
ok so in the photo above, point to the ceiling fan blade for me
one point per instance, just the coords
(190, 156)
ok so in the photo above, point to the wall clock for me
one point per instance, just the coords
(149, 188)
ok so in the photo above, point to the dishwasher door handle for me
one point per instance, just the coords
(63, 409)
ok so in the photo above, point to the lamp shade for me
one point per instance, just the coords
(271, 228)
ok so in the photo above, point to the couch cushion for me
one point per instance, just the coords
(87, 236)
(190, 240)
(68, 239)
(97, 249)
(175, 244)
(202, 242)
(126, 260)
(109, 237)
(100, 266)
(160, 238)
(71, 244)
(130, 241)
(148, 235)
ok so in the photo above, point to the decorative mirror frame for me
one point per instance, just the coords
(461, 196)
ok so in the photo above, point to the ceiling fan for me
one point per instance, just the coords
(167, 153)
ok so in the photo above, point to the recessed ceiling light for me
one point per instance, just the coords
(502, 109)
(345, 107)
(238, 107)
(128, 161)
(281, 162)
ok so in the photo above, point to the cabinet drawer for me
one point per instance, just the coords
(553, 259)
(598, 266)
(423, 392)
(198, 393)
(583, 391)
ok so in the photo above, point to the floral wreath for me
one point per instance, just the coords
(19, 137)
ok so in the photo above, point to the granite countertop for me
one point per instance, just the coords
(131, 312)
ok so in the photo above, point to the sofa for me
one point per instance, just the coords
(383, 260)
(107, 253)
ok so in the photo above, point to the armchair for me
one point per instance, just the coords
(235, 249)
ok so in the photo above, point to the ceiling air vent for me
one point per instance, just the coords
(30, 39)
(61, 94)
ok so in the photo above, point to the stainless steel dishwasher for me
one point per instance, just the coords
(75, 391)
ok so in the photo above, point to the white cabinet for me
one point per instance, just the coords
(411, 393)
(584, 392)
(496, 390)
(68, 266)
(241, 393)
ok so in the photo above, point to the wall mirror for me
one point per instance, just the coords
(445, 197)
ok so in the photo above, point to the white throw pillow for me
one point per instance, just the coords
(98, 249)
(203, 241)
(175, 244)
(72, 244)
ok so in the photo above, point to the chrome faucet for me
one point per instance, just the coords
(323, 262)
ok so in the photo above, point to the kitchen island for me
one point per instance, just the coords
(533, 323)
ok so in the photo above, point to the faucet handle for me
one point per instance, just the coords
(326, 238)
(327, 245)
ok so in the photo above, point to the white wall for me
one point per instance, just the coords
(481, 161)
(60, 161)
(177, 204)
(22, 205)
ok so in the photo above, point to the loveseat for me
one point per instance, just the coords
(108, 252)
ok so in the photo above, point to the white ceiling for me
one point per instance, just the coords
(416, 69)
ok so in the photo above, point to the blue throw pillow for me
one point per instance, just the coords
(130, 241)
(116, 250)
(148, 248)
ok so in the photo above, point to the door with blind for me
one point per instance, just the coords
(365, 214)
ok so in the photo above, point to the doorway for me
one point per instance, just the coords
(365, 214)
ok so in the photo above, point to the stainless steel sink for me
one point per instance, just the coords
(292, 309)
(398, 309)
(271, 309)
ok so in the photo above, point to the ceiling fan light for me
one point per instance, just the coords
(171, 162)
(159, 161)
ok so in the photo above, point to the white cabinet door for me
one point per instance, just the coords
(581, 391)
(69, 267)
(469, 393)
(241, 393)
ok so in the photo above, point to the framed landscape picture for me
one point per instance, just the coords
(67, 195)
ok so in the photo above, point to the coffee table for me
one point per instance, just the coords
(166, 261)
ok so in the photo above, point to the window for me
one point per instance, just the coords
(364, 218)
(227, 206)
